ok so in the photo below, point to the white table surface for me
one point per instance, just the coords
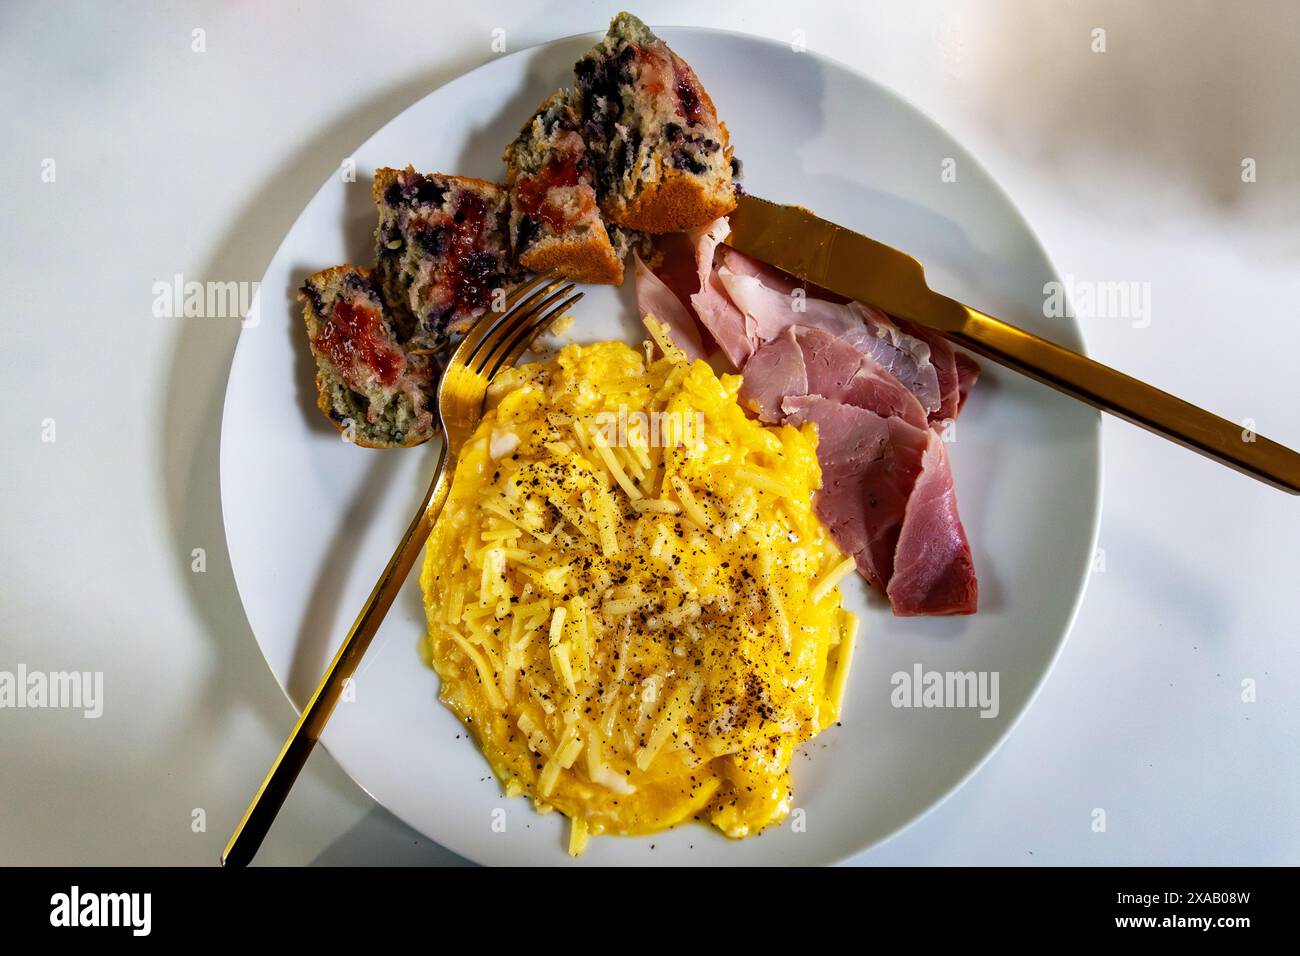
(1128, 163)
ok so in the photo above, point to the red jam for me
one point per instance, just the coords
(690, 101)
(531, 192)
(688, 96)
(653, 69)
(352, 339)
(659, 68)
(469, 267)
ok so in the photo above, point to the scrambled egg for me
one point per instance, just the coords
(631, 603)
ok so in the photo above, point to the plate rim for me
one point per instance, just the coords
(1072, 326)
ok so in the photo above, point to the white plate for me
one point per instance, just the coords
(310, 520)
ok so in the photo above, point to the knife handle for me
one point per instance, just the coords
(1126, 397)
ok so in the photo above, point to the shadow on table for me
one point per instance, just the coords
(1181, 96)
(380, 839)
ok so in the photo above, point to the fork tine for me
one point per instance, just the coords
(513, 317)
(473, 341)
(507, 320)
(503, 333)
(525, 338)
(518, 291)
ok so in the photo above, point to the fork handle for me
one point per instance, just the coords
(293, 756)
(1126, 397)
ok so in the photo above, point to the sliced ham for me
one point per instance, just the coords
(887, 497)
(869, 465)
(968, 371)
(683, 270)
(775, 371)
(944, 359)
(933, 572)
(745, 303)
(716, 312)
(677, 266)
(836, 370)
(810, 361)
(903, 356)
(832, 364)
(654, 297)
(771, 276)
(769, 310)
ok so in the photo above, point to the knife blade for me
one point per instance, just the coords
(836, 258)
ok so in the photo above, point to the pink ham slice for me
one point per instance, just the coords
(837, 371)
(726, 323)
(777, 370)
(809, 361)
(745, 303)
(654, 297)
(944, 359)
(903, 356)
(870, 464)
(968, 371)
(684, 273)
(771, 276)
(933, 572)
(769, 310)
(737, 262)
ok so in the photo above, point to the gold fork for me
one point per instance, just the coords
(497, 340)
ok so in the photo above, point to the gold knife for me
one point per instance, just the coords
(841, 260)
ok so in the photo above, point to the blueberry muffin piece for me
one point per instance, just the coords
(442, 248)
(663, 160)
(363, 378)
(555, 222)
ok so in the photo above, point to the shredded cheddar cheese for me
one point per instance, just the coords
(637, 632)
